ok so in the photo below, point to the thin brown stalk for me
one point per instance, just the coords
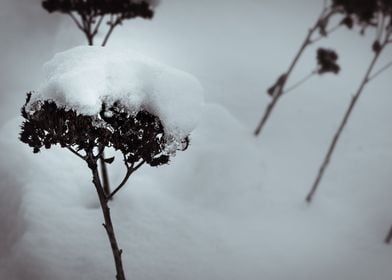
(112, 25)
(388, 237)
(281, 82)
(76, 153)
(130, 170)
(96, 28)
(381, 70)
(108, 225)
(300, 82)
(343, 123)
(76, 21)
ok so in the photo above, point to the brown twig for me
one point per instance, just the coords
(346, 117)
(300, 82)
(76, 153)
(130, 170)
(382, 69)
(76, 21)
(112, 24)
(388, 237)
(120, 275)
(278, 88)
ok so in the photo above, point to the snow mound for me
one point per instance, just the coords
(84, 77)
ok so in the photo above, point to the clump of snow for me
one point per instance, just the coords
(84, 77)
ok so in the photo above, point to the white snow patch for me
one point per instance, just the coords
(84, 77)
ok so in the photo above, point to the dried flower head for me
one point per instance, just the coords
(327, 61)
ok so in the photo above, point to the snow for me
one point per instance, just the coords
(232, 205)
(84, 77)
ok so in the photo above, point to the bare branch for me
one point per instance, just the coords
(328, 32)
(388, 237)
(76, 153)
(112, 25)
(279, 86)
(343, 123)
(138, 165)
(98, 25)
(78, 24)
(300, 82)
(382, 69)
(108, 225)
(130, 170)
(126, 177)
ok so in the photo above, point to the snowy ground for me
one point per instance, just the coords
(231, 206)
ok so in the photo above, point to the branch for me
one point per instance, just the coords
(382, 69)
(130, 170)
(101, 150)
(343, 123)
(108, 225)
(328, 32)
(112, 25)
(300, 82)
(78, 24)
(279, 85)
(138, 165)
(97, 25)
(76, 153)
(388, 237)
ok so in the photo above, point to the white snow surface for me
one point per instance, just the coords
(84, 77)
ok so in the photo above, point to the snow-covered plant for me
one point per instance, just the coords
(97, 98)
(138, 136)
(89, 14)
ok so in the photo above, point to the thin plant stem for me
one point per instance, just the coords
(343, 123)
(381, 70)
(104, 173)
(76, 21)
(281, 82)
(330, 31)
(112, 25)
(108, 225)
(130, 170)
(388, 237)
(300, 82)
(96, 28)
(76, 153)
